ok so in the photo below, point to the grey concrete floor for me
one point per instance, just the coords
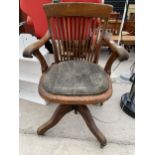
(71, 135)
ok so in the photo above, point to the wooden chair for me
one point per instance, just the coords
(74, 79)
(113, 23)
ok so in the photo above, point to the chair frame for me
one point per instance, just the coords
(76, 103)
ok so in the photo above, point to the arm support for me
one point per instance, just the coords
(121, 52)
(33, 49)
(118, 52)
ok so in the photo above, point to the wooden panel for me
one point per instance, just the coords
(127, 40)
(77, 9)
(113, 23)
(129, 26)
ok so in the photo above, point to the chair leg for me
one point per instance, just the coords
(58, 114)
(84, 111)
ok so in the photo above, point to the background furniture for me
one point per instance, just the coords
(118, 5)
(113, 23)
(126, 40)
(74, 79)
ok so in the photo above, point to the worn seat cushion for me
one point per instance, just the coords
(77, 78)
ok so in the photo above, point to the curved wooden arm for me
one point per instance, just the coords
(118, 52)
(121, 52)
(29, 50)
(33, 49)
(110, 61)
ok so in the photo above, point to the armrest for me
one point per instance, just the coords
(118, 52)
(33, 49)
(29, 50)
(122, 53)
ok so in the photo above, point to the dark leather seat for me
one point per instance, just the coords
(76, 78)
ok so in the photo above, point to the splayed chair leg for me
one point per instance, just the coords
(81, 109)
(84, 111)
(58, 114)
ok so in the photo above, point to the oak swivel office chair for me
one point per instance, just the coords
(75, 79)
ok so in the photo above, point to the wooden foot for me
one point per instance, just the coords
(58, 114)
(84, 111)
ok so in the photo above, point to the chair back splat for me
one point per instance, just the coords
(75, 30)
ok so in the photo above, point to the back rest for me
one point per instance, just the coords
(34, 9)
(54, 22)
(81, 20)
(90, 1)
